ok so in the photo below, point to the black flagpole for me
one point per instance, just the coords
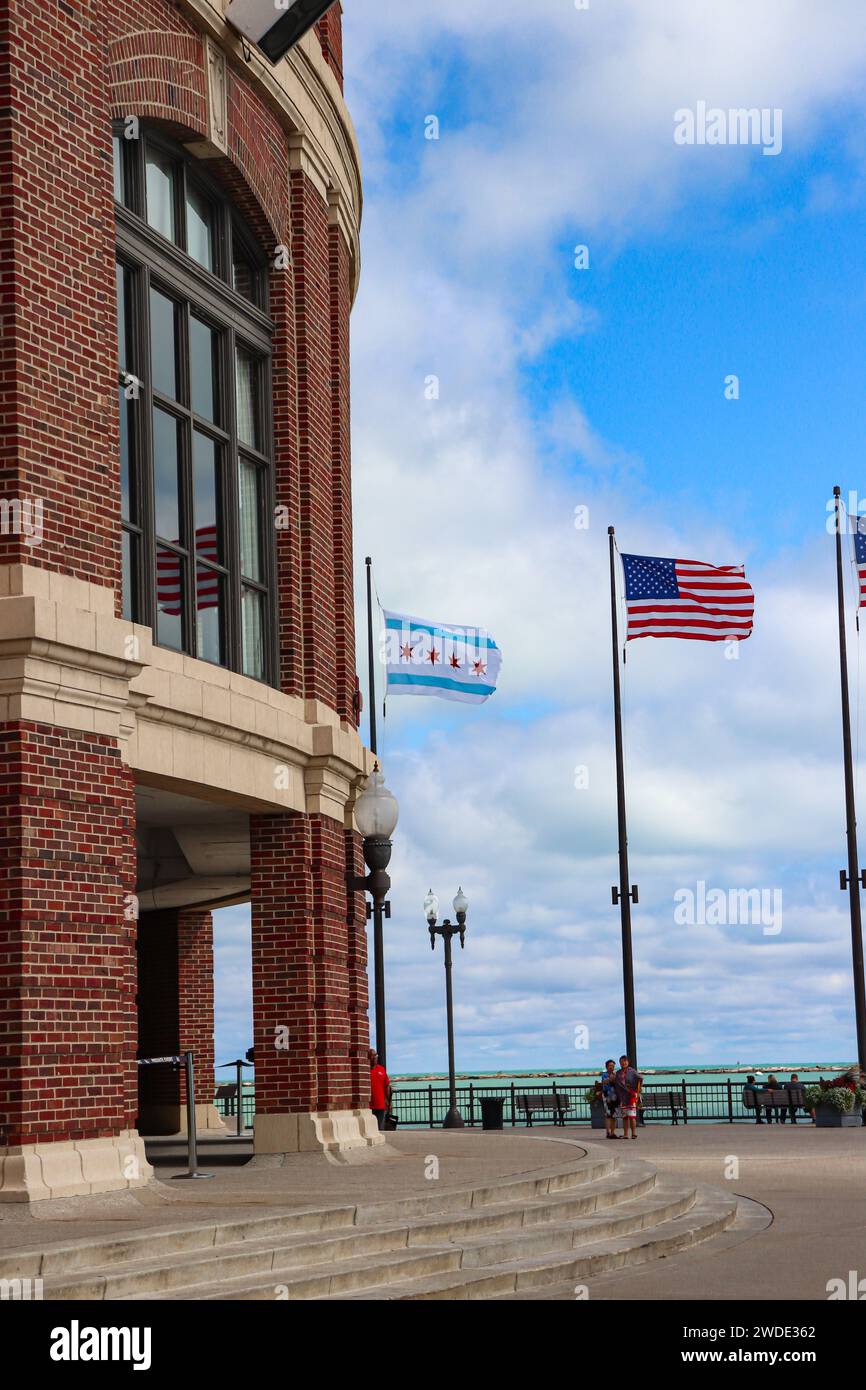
(378, 907)
(370, 655)
(627, 893)
(852, 879)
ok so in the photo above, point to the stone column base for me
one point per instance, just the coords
(73, 1168)
(328, 1131)
(154, 1120)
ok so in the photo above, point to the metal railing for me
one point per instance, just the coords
(227, 1104)
(426, 1106)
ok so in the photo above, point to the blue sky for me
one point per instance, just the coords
(605, 388)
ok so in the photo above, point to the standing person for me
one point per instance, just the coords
(380, 1089)
(610, 1098)
(628, 1083)
(752, 1085)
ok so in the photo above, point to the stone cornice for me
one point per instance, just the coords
(178, 722)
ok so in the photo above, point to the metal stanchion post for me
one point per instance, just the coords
(190, 1122)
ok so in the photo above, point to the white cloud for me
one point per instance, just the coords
(557, 129)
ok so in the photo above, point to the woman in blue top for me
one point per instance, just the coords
(611, 1098)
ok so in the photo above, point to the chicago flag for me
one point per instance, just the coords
(440, 659)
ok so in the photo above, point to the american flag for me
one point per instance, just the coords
(168, 592)
(686, 598)
(860, 556)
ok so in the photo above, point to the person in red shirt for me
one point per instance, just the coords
(380, 1089)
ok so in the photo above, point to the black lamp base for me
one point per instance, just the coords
(453, 1120)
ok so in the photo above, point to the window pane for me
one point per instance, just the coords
(245, 278)
(117, 151)
(205, 458)
(247, 391)
(160, 178)
(166, 481)
(199, 227)
(121, 281)
(126, 427)
(202, 354)
(252, 610)
(129, 599)
(163, 340)
(209, 615)
(170, 587)
(250, 521)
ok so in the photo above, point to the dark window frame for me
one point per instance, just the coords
(155, 262)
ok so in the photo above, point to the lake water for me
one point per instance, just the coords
(653, 1076)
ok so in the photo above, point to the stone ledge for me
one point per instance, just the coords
(73, 1168)
(328, 1131)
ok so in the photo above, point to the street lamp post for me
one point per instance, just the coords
(453, 1120)
(376, 814)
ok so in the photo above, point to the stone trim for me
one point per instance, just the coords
(328, 1131)
(73, 1168)
(66, 661)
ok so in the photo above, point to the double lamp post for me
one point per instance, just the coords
(376, 815)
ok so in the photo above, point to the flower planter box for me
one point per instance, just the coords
(828, 1117)
(596, 1114)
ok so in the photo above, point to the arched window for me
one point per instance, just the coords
(196, 430)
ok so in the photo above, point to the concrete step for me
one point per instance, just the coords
(508, 1190)
(551, 1236)
(191, 1268)
(750, 1219)
(101, 1254)
(513, 1239)
(485, 1269)
(632, 1180)
(342, 1279)
(98, 1254)
(535, 1276)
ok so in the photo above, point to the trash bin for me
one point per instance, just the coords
(491, 1112)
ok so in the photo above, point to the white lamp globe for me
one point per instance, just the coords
(376, 810)
(461, 903)
(431, 906)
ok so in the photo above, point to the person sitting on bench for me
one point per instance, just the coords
(752, 1086)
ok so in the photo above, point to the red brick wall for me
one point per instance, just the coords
(58, 425)
(311, 254)
(155, 65)
(330, 30)
(341, 478)
(356, 965)
(195, 981)
(308, 968)
(175, 1002)
(67, 958)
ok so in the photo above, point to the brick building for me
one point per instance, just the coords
(178, 699)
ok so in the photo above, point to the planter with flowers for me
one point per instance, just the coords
(837, 1104)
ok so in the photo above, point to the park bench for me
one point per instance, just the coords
(664, 1100)
(532, 1105)
(226, 1093)
(781, 1098)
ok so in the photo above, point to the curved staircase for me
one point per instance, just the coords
(536, 1236)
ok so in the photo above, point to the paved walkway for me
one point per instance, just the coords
(812, 1180)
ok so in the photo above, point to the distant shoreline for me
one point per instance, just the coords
(744, 1067)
